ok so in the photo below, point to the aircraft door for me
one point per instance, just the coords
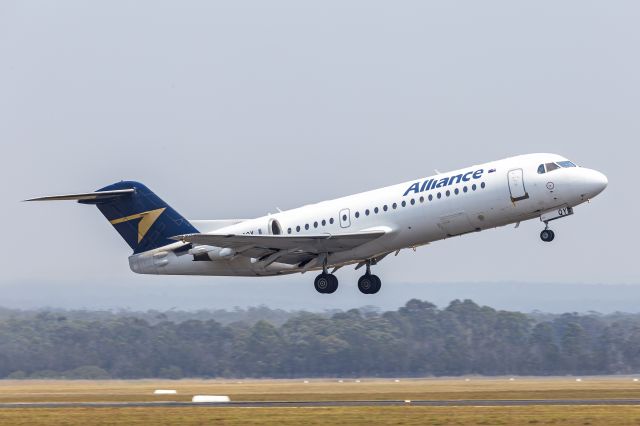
(345, 218)
(516, 185)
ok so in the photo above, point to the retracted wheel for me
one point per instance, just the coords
(547, 235)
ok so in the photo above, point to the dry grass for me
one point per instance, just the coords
(261, 390)
(460, 416)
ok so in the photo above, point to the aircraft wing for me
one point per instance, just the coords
(291, 249)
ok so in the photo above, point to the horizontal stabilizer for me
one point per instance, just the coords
(86, 196)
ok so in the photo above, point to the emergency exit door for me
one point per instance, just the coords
(345, 218)
(516, 185)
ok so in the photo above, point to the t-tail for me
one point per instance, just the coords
(140, 216)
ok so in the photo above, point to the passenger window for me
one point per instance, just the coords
(306, 226)
(448, 193)
(541, 169)
(331, 221)
(456, 191)
(385, 208)
(413, 201)
(404, 204)
(394, 205)
(439, 195)
(315, 224)
(474, 187)
(324, 222)
(430, 197)
(465, 189)
(288, 230)
(482, 185)
(376, 210)
(422, 199)
(357, 215)
(366, 212)
(298, 228)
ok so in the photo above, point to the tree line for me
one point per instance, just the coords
(418, 339)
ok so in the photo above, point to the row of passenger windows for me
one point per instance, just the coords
(323, 222)
(394, 206)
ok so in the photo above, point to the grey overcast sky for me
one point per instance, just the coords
(231, 109)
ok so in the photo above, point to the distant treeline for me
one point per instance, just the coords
(249, 315)
(418, 339)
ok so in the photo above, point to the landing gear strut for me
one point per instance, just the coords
(325, 283)
(368, 283)
(547, 235)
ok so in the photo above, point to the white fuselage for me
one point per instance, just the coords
(413, 213)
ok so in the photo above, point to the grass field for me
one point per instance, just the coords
(463, 416)
(292, 390)
(320, 390)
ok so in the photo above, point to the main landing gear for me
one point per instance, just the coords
(368, 283)
(327, 283)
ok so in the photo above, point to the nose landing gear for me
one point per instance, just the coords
(547, 235)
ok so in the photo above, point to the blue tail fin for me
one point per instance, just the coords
(141, 217)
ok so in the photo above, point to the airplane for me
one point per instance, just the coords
(360, 229)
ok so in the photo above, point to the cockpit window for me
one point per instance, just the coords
(551, 166)
(545, 168)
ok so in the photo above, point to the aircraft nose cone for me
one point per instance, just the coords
(595, 182)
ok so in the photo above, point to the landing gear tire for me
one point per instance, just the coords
(378, 284)
(369, 284)
(333, 284)
(547, 235)
(326, 283)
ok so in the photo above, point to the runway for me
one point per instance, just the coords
(295, 404)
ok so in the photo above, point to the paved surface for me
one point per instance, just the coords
(240, 404)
